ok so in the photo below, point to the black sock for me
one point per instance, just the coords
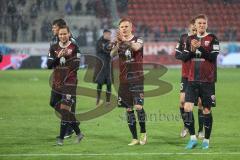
(208, 121)
(182, 114)
(63, 129)
(141, 119)
(132, 123)
(108, 96)
(73, 107)
(69, 129)
(108, 92)
(189, 122)
(99, 90)
(200, 120)
(75, 127)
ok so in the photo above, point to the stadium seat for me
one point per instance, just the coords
(177, 13)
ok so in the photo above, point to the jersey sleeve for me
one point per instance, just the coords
(184, 52)
(74, 62)
(179, 49)
(213, 53)
(52, 61)
(74, 41)
(140, 41)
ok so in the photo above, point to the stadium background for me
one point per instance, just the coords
(26, 26)
(28, 125)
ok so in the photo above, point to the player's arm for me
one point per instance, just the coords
(52, 61)
(179, 49)
(78, 55)
(114, 50)
(135, 46)
(73, 40)
(74, 62)
(187, 53)
(213, 53)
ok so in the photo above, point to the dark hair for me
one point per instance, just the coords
(106, 30)
(126, 19)
(59, 22)
(201, 16)
(64, 27)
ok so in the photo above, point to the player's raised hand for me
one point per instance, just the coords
(195, 44)
(119, 37)
(62, 53)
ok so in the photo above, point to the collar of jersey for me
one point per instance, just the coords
(130, 38)
(60, 44)
(202, 35)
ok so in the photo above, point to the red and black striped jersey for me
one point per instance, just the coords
(131, 62)
(65, 68)
(203, 65)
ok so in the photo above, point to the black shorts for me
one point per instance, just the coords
(204, 90)
(183, 84)
(56, 98)
(130, 95)
(104, 80)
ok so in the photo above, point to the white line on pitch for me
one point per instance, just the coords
(113, 154)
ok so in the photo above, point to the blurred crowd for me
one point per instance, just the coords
(19, 19)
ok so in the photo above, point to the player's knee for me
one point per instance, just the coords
(65, 107)
(188, 107)
(200, 107)
(206, 110)
(200, 103)
(182, 104)
(182, 99)
(109, 88)
(99, 87)
(138, 107)
(129, 109)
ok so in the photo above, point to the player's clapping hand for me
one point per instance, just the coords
(62, 53)
(194, 45)
(119, 37)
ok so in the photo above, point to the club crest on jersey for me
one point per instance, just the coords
(69, 51)
(206, 43)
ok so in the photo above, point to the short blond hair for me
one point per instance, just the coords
(126, 19)
(201, 16)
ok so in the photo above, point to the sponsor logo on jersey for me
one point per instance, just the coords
(69, 51)
(206, 43)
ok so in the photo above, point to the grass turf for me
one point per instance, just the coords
(28, 125)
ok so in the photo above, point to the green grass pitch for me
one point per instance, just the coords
(28, 125)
